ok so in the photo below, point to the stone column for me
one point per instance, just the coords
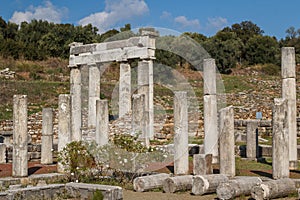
(181, 154)
(138, 109)
(124, 89)
(288, 74)
(47, 137)
(210, 109)
(20, 136)
(102, 130)
(94, 93)
(280, 147)
(252, 139)
(226, 141)
(202, 164)
(75, 89)
(64, 124)
(145, 86)
(2, 153)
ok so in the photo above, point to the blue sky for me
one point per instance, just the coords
(203, 16)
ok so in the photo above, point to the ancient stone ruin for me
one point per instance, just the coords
(82, 115)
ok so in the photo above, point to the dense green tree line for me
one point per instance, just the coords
(241, 44)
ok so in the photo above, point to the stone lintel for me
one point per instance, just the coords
(118, 55)
(142, 41)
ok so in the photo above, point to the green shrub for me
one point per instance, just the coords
(97, 195)
(270, 69)
(76, 160)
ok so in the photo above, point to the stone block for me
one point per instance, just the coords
(288, 62)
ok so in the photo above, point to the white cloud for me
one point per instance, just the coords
(116, 11)
(165, 15)
(185, 23)
(216, 23)
(46, 12)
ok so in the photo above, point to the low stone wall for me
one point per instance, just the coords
(264, 127)
(60, 191)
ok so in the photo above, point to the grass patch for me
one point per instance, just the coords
(235, 84)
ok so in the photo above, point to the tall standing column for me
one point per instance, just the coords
(280, 144)
(138, 109)
(145, 86)
(75, 79)
(252, 139)
(102, 121)
(20, 136)
(181, 154)
(64, 124)
(47, 136)
(94, 93)
(124, 89)
(210, 109)
(288, 74)
(226, 142)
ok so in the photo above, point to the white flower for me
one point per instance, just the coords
(76, 181)
(125, 160)
(72, 174)
(77, 167)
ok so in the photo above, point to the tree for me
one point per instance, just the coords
(261, 49)
(226, 48)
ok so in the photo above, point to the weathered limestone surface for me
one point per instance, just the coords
(138, 109)
(145, 183)
(211, 126)
(102, 133)
(210, 109)
(237, 187)
(181, 154)
(252, 139)
(144, 41)
(288, 62)
(177, 183)
(75, 79)
(202, 164)
(209, 77)
(20, 136)
(2, 153)
(109, 192)
(280, 146)
(273, 189)
(124, 89)
(288, 74)
(145, 86)
(94, 93)
(47, 137)
(226, 145)
(205, 184)
(64, 124)
(137, 47)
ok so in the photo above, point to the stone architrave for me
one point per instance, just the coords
(64, 124)
(102, 129)
(181, 154)
(280, 144)
(75, 89)
(94, 93)
(124, 89)
(226, 141)
(210, 109)
(288, 74)
(145, 86)
(252, 139)
(47, 136)
(20, 136)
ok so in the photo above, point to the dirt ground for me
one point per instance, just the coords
(131, 195)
